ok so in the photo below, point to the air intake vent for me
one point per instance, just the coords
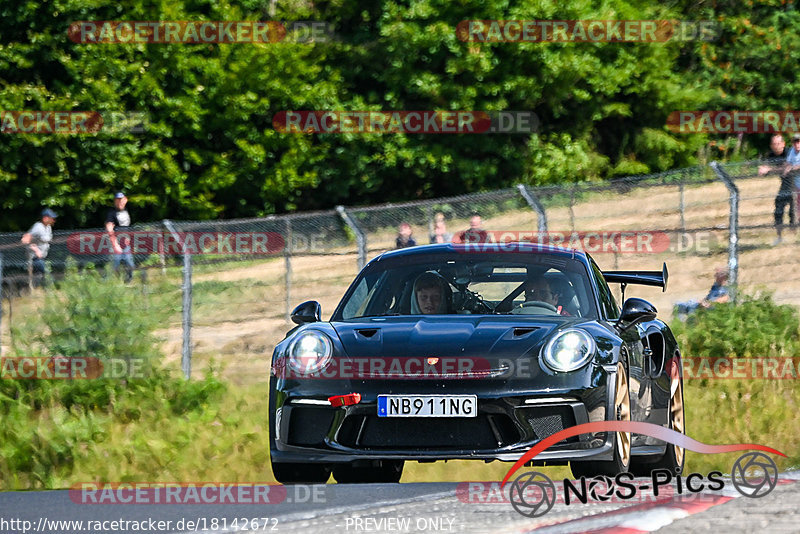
(522, 331)
(367, 332)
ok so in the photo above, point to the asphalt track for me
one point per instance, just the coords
(423, 507)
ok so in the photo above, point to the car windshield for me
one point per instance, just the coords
(537, 284)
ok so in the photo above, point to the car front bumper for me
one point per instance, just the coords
(305, 428)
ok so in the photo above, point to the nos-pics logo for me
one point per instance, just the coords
(533, 494)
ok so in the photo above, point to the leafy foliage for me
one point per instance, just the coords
(209, 149)
(754, 327)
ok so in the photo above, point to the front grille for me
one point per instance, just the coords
(309, 425)
(547, 420)
(482, 432)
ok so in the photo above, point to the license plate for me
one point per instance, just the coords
(427, 405)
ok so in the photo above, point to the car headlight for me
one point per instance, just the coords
(568, 350)
(310, 352)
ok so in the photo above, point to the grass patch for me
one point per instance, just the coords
(722, 411)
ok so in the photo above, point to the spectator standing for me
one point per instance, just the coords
(475, 233)
(440, 233)
(38, 239)
(785, 195)
(775, 157)
(404, 238)
(118, 217)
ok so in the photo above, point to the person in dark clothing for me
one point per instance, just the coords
(777, 161)
(404, 238)
(789, 175)
(118, 217)
(775, 157)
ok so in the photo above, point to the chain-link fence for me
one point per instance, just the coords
(232, 284)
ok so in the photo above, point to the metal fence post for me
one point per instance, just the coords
(186, 291)
(186, 358)
(361, 238)
(430, 217)
(536, 206)
(287, 260)
(572, 208)
(162, 255)
(733, 224)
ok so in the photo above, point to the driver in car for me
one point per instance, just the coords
(430, 294)
(539, 290)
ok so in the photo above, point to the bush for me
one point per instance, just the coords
(47, 422)
(755, 326)
(753, 410)
(97, 315)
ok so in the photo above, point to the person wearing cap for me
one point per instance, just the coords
(38, 239)
(789, 175)
(118, 217)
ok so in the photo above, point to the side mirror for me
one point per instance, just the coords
(308, 312)
(635, 311)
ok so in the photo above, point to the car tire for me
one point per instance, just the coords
(389, 472)
(290, 473)
(674, 456)
(622, 440)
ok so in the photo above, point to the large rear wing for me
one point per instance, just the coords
(643, 278)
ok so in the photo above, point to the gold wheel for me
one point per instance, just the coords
(676, 415)
(622, 404)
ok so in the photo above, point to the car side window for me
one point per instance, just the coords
(607, 303)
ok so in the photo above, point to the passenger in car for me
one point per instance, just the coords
(431, 294)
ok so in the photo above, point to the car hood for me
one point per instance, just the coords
(446, 336)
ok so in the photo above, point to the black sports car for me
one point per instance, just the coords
(473, 352)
